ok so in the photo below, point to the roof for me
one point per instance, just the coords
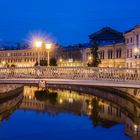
(107, 36)
(10, 45)
(75, 47)
(130, 30)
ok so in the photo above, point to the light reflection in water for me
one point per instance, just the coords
(107, 111)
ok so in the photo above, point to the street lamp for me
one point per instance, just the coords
(38, 45)
(60, 60)
(3, 62)
(48, 47)
(136, 51)
(89, 58)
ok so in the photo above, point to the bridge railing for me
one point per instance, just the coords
(83, 73)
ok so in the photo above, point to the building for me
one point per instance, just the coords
(26, 57)
(72, 55)
(111, 47)
(132, 40)
(111, 50)
(11, 45)
(115, 49)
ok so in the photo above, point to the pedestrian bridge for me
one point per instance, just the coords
(114, 77)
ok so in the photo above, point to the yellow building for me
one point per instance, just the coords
(110, 55)
(24, 58)
(114, 49)
(111, 48)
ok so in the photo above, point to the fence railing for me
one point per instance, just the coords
(78, 73)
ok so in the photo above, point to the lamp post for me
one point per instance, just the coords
(60, 60)
(89, 58)
(136, 51)
(3, 63)
(48, 47)
(38, 45)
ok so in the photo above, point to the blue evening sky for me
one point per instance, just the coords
(67, 21)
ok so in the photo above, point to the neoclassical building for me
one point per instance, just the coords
(111, 50)
(132, 41)
(115, 49)
(111, 47)
(72, 55)
(25, 57)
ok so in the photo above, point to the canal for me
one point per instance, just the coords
(70, 112)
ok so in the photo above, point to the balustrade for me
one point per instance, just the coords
(77, 73)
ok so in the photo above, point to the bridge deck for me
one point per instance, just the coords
(72, 82)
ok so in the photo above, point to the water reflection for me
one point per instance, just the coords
(45, 94)
(102, 107)
(106, 110)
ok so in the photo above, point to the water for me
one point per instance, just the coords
(68, 114)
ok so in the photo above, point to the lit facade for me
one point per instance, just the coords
(115, 50)
(114, 110)
(110, 55)
(25, 57)
(132, 41)
(111, 48)
(72, 56)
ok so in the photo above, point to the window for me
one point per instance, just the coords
(118, 53)
(127, 53)
(127, 65)
(127, 40)
(101, 55)
(131, 39)
(110, 54)
(130, 52)
(137, 40)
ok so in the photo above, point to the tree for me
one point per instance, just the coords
(95, 116)
(53, 62)
(95, 57)
(7, 65)
(44, 95)
(13, 65)
(41, 95)
(42, 63)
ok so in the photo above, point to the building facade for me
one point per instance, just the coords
(110, 55)
(25, 57)
(115, 49)
(111, 48)
(72, 55)
(132, 41)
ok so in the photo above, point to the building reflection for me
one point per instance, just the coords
(102, 108)
(132, 92)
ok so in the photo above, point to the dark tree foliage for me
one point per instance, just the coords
(13, 65)
(7, 65)
(95, 116)
(41, 95)
(53, 98)
(44, 95)
(95, 57)
(53, 62)
(42, 63)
